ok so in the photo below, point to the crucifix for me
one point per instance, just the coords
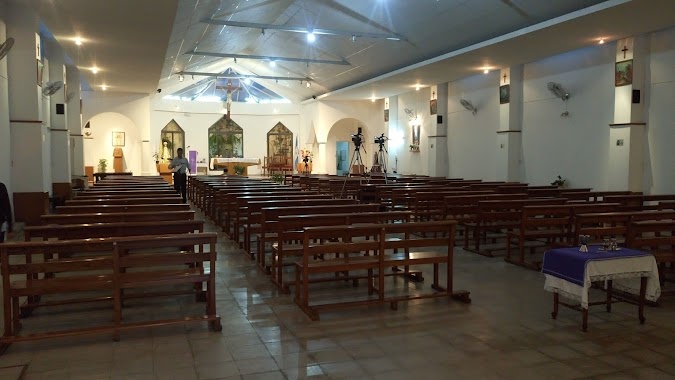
(504, 77)
(433, 95)
(624, 50)
(230, 89)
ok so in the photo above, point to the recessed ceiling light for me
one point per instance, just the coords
(273, 63)
(78, 41)
(181, 78)
(309, 84)
(104, 87)
(602, 41)
(311, 37)
(94, 69)
(486, 71)
(417, 87)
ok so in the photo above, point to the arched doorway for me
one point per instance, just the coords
(340, 147)
(226, 139)
(172, 138)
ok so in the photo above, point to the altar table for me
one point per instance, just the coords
(570, 272)
(230, 163)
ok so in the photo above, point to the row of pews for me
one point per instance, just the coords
(327, 241)
(121, 242)
(270, 221)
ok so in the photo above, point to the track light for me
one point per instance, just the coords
(263, 32)
(181, 78)
(353, 38)
(235, 60)
(247, 81)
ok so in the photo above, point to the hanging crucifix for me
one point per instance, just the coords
(433, 95)
(228, 102)
(624, 50)
(504, 78)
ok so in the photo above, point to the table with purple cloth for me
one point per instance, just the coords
(570, 273)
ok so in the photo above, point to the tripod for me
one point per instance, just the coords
(356, 158)
(381, 159)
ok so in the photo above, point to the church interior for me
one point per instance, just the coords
(337, 189)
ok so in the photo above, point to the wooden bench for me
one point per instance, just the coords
(123, 201)
(105, 274)
(657, 238)
(117, 217)
(94, 230)
(365, 248)
(122, 208)
(288, 229)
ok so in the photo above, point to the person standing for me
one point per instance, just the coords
(5, 213)
(179, 166)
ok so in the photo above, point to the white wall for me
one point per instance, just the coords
(343, 131)
(100, 145)
(472, 139)
(659, 153)
(400, 126)
(575, 147)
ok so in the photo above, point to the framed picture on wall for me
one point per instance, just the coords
(504, 93)
(118, 138)
(386, 115)
(433, 106)
(416, 134)
(623, 73)
(40, 69)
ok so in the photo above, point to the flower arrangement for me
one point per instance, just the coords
(560, 182)
(306, 155)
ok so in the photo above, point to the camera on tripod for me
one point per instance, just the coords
(380, 139)
(357, 139)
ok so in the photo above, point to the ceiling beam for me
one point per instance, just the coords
(297, 29)
(267, 58)
(240, 76)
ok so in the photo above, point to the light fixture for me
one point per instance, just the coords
(311, 37)
(104, 87)
(263, 32)
(353, 38)
(417, 87)
(273, 63)
(78, 41)
(602, 41)
(247, 80)
(309, 84)
(372, 98)
(235, 59)
(181, 78)
(486, 71)
(94, 69)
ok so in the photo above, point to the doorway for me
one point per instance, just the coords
(342, 158)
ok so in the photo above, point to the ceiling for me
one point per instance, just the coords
(141, 45)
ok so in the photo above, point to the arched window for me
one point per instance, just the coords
(226, 139)
(174, 137)
(279, 146)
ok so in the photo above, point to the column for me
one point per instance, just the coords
(5, 147)
(627, 133)
(395, 134)
(74, 121)
(60, 139)
(439, 164)
(148, 166)
(509, 136)
(321, 167)
(28, 134)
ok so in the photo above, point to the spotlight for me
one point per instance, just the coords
(309, 84)
(263, 32)
(181, 78)
(486, 71)
(78, 41)
(247, 80)
(311, 37)
(94, 69)
(104, 87)
(602, 41)
(235, 59)
(353, 38)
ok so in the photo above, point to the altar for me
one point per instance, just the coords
(230, 163)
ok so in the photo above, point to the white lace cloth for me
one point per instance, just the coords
(243, 161)
(625, 274)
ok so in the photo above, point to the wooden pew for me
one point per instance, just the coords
(289, 229)
(372, 256)
(117, 217)
(123, 201)
(122, 208)
(105, 274)
(84, 231)
(658, 238)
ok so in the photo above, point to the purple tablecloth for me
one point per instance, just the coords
(570, 264)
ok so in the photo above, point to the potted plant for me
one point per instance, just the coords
(239, 169)
(560, 182)
(102, 165)
(278, 178)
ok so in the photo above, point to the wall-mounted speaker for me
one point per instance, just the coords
(439, 119)
(60, 109)
(636, 96)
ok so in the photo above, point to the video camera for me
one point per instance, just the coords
(357, 139)
(381, 139)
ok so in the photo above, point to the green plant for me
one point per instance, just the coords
(102, 165)
(239, 169)
(278, 178)
(560, 182)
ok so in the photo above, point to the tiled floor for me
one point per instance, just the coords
(506, 333)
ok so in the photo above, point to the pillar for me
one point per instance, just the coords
(29, 158)
(321, 167)
(628, 131)
(5, 147)
(395, 134)
(438, 137)
(74, 121)
(60, 139)
(509, 135)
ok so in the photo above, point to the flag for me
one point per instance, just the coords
(297, 152)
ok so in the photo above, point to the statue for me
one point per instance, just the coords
(166, 152)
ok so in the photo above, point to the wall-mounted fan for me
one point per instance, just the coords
(467, 104)
(51, 88)
(5, 47)
(558, 90)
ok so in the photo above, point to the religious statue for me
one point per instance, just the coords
(166, 152)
